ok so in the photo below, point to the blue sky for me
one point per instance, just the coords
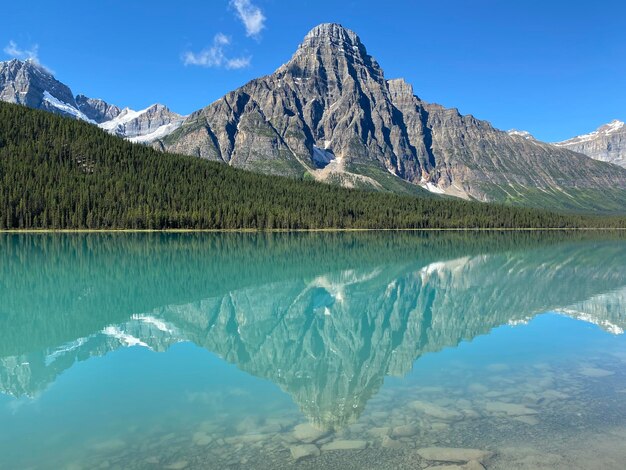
(554, 68)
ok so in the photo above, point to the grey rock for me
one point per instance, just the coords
(306, 432)
(391, 443)
(452, 454)
(435, 411)
(29, 84)
(303, 451)
(511, 409)
(407, 430)
(342, 444)
(145, 125)
(607, 143)
(96, 109)
(329, 112)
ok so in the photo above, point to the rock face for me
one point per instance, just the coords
(330, 113)
(607, 143)
(29, 84)
(96, 109)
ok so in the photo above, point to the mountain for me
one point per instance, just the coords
(29, 84)
(330, 114)
(607, 143)
(143, 126)
(61, 173)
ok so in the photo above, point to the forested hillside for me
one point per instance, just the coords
(59, 173)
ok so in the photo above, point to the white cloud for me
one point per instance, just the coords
(32, 54)
(13, 50)
(251, 16)
(238, 63)
(214, 56)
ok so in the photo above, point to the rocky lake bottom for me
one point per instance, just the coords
(565, 414)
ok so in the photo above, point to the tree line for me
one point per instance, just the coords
(59, 173)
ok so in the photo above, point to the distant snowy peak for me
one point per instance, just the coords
(29, 84)
(607, 129)
(524, 134)
(607, 143)
(145, 125)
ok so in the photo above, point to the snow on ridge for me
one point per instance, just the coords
(156, 322)
(124, 338)
(159, 132)
(126, 116)
(605, 324)
(64, 107)
(613, 126)
(524, 134)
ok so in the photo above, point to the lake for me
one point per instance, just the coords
(313, 350)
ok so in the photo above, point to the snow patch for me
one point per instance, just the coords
(156, 322)
(64, 107)
(68, 347)
(126, 116)
(432, 188)
(159, 132)
(124, 338)
(607, 129)
(604, 324)
(524, 134)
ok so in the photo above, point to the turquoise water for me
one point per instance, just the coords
(312, 351)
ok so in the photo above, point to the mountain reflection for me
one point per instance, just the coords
(324, 316)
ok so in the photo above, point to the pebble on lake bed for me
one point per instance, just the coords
(307, 433)
(595, 372)
(451, 454)
(304, 450)
(407, 430)
(345, 445)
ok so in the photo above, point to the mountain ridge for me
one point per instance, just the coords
(607, 143)
(330, 114)
(29, 84)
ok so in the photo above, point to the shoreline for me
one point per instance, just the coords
(331, 230)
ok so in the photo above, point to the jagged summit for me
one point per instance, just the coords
(332, 31)
(332, 48)
(27, 83)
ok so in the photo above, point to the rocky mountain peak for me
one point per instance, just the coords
(607, 143)
(28, 83)
(332, 31)
(613, 126)
(334, 50)
(96, 109)
(330, 114)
